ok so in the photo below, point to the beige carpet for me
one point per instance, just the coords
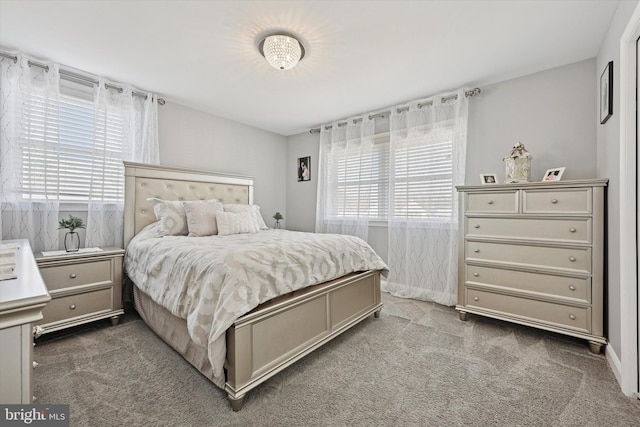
(417, 365)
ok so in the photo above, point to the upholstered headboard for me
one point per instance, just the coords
(144, 181)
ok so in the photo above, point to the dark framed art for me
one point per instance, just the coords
(606, 93)
(304, 169)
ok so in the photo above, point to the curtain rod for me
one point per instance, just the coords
(472, 92)
(77, 76)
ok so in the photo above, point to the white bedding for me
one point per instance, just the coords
(212, 281)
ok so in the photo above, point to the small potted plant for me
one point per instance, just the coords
(277, 216)
(71, 239)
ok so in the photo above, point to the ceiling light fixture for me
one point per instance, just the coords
(282, 51)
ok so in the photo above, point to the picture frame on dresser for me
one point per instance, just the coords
(488, 178)
(554, 174)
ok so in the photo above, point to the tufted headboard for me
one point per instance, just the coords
(142, 181)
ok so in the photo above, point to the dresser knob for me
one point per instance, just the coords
(572, 317)
(490, 202)
(476, 250)
(476, 226)
(573, 230)
(572, 288)
(72, 307)
(554, 201)
(35, 364)
(572, 259)
(476, 274)
(73, 275)
(476, 299)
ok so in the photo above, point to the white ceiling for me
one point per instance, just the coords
(361, 55)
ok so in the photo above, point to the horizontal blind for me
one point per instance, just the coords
(68, 154)
(422, 182)
(359, 181)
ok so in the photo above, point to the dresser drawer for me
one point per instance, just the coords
(572, 259)
(492, 202)
(578, 318)
(578, 288)
(70, 275)
(551, 229)
(568, 201)
(77, 305)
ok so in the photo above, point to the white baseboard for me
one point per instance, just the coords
(614, 363)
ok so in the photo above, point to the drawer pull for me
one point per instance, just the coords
(72, 307)
(572, 317)
(73, 275)
(35, 364)
(490, 202)
(476, 274)
(572, 259)
(572, 288)
(554, 201)
(476, 250)
(573, 230)
(476, 299)
(476, 226)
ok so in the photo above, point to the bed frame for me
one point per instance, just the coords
(275, 334)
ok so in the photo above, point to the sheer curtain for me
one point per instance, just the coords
(427, 159)
(126, 128)
(347, 187)
(28, 129)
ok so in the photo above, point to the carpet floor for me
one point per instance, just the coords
(417, 365)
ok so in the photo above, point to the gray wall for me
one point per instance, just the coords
(551, 112)
(608, 165)
(194, 139)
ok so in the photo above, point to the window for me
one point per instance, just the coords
(67, 153)
(414, 177)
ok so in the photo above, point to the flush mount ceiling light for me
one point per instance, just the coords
(281, 51)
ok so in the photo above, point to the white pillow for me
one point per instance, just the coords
(254, 210)
(201, 217)
(235, 223)
(171, 217)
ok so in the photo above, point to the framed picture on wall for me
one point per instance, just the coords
(304, 168)
(606, 93)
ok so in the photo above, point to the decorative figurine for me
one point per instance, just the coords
(517, 165)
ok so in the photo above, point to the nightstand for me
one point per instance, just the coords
(84, 287)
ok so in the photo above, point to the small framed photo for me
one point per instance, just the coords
(553, 174)
(606, 93)
(488, 178)
(304, 168)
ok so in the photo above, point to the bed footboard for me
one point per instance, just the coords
(275, 335)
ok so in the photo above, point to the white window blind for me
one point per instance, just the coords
(68, 154)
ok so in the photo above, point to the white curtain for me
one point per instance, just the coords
(28, 128)
(135, 120)
(347, 154)
(427, 159)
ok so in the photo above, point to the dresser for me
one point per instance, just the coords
(533, 253)
(84, 287)
(21, 302)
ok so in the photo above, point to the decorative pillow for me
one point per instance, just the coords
(236, 223)
(254, 210)
(201, 217)
(171, 217)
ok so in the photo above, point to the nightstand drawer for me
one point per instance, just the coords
(70, 275)
(494, 202)
(557, 201)
(567, 316)
(77, 305)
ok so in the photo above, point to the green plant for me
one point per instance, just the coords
(277, 216)
(71, 224)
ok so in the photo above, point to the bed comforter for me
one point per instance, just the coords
(212, 281)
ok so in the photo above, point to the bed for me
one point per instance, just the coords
(269, 337)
